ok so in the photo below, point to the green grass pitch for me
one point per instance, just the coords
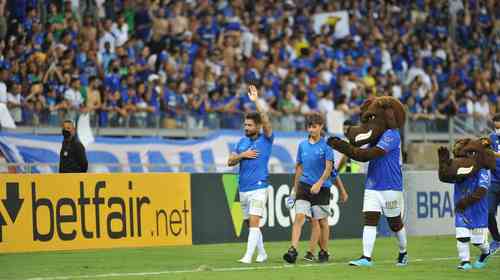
(430, 258)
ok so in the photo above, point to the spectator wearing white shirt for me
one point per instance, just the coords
(14, 103)
(347, 86)
(415, 71)
(386, 59)
(4, 76)
(325, 103)
(108, 36)
(120, 31)
(481, 113)
(73, 98)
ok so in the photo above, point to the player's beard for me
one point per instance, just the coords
(250, 134)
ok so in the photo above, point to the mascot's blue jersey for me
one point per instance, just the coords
(384, 173)
(476, 215)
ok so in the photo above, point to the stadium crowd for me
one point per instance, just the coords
(188, 63)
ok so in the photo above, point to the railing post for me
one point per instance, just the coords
(451, 129)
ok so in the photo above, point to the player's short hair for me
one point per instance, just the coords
(69, 121)
(314, 118)
(255, 116)
(496, 117)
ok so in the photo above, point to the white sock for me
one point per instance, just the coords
(369, 236)
(485, 247)
(253, 240)
(463, 251)
(260, 244)
(401, 235)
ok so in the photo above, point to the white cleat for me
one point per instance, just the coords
(245, 260)
(261, 258)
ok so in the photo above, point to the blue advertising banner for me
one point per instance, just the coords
(107, 154)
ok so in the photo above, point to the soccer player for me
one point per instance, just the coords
(494, 190)
(312, 188)
(252, 154)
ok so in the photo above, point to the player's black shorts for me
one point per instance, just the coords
(321, 198)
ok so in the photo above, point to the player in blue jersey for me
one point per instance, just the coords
(252, 154)
(494, 190)
(381, 119)
(312, 188)
(468, 170)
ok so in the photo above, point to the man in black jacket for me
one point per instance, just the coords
(72, 158)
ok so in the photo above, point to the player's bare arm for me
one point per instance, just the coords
(298, 172)
(234, 158)
(356, 153)
(342, 162)
(326, 174)
(266, 123)
(342, 191)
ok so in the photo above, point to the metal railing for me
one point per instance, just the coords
(184, 125)
(447, 130)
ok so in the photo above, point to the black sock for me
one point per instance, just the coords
(482, 257)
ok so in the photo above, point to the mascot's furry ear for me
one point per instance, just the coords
(488, 158)
(458, 147)
(394, 113)
(486, 142)
(366, 104)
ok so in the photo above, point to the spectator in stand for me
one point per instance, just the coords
(482, 113)
(93, 103)
(15, 102)
(392, 47)
(73, 98)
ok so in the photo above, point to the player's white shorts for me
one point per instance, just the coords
(253, 202)
(477, 235)
(389, 202)
(316, 212)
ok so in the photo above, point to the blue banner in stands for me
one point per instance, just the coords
(146, 154)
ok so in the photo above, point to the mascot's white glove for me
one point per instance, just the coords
(290, 200)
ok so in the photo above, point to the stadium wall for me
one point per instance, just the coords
(429, 204)
(45, 212)
(89, 211)
(217, 216)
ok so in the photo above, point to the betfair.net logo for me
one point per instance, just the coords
(230, 183)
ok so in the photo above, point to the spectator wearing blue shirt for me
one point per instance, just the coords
(197, 105)
(252, 154)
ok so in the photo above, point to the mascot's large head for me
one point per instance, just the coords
(469, 155)
(377, 115)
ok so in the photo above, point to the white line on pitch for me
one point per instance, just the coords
(222, 269)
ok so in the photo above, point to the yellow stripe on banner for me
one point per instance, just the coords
(88, 211)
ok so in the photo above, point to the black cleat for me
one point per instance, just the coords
(291, 255)
(309, 257)
(323, 256)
